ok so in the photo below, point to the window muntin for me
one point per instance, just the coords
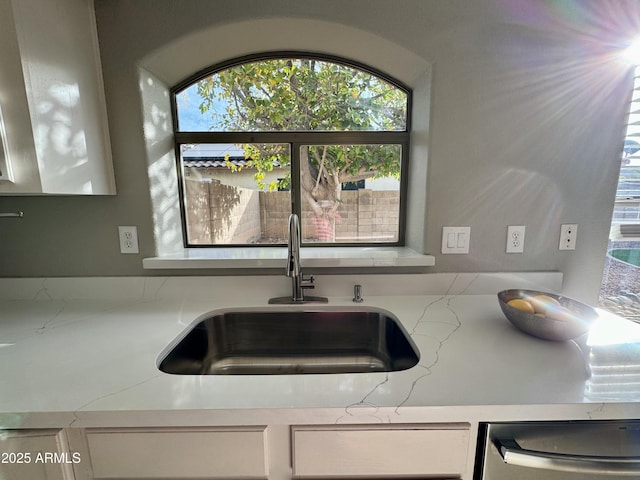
(282, 153)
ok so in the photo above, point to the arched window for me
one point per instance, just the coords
(259, 138)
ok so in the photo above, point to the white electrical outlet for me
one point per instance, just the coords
(128, 239)
(455, 239)
(515, 238)
(568, 236)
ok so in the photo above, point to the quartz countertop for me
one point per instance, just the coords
(92, 360)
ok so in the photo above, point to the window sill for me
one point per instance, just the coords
(275, 257)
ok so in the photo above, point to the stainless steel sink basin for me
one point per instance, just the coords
(260, 342)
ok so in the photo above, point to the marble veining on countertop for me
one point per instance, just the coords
(96, 355)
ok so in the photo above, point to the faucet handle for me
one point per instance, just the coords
(307, 282)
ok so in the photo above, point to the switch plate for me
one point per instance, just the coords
(515, 239)
(455, 239)
(568, 236)
(128, 239)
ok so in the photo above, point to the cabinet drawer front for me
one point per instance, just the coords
(379, 452)
(36, 455)
(184, 453)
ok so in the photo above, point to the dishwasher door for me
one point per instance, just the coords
(585, 450)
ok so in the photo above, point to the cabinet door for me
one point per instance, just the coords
(18, 161)
(57, 141)
(178, 453)
(369, 451)
(35, 455)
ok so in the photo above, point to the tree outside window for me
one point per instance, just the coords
(292, 134)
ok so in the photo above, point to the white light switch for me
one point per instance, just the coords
(455, 239)
(451, 240)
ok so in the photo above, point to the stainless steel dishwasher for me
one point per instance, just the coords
(585, 450)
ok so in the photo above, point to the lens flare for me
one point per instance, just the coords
(631, 54)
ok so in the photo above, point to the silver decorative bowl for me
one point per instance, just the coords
(560, 320)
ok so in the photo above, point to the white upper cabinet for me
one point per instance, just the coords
(53, 113)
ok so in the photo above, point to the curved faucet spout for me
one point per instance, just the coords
(293, 269)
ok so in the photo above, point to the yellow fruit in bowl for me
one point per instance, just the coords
(561, 313)
(542, 303)
(521, 304)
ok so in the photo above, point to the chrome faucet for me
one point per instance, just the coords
(294, 269)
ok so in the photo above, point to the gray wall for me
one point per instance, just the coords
(526, 121)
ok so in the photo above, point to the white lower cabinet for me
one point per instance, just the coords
(434, 451)
(274, 452)
(36, 455)
(177, 453)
